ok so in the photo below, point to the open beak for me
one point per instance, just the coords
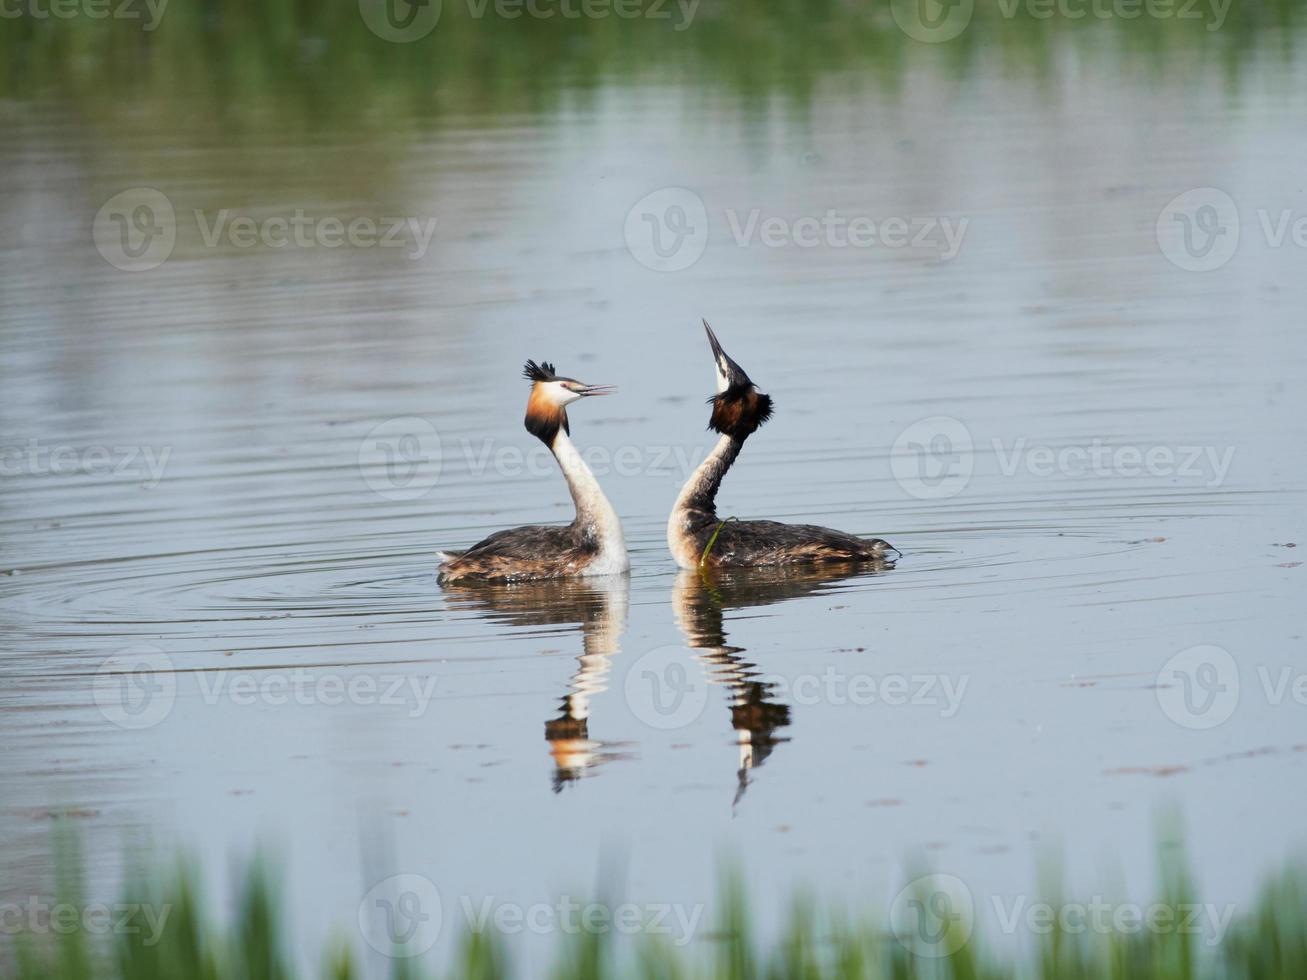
(587, 390)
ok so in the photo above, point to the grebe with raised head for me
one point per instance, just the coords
(695, 534)
(591, 545)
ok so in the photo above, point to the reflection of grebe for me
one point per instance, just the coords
(697, 537)
(599, 606)
(699, 599)
(591, 545)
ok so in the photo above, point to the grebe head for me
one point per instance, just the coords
(738, 408)
(546, 408)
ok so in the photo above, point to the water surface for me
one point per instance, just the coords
(501, 740)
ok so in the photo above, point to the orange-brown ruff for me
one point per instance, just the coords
(698, 537)
(591, 545)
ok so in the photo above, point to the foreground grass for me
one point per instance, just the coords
(1267, 939)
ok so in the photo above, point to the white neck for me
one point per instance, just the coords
(592, 508)
(702, 485)
(698, 501)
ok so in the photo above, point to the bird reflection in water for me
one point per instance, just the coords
(699, 599)
(598, 606)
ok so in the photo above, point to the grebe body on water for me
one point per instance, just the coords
(698, 537)
(591, 545)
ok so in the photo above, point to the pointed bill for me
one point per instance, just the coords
(729, 374)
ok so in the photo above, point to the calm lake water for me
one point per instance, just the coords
(237, 467)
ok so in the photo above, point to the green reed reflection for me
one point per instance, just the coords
(248, 63)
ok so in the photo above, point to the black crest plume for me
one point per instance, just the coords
(544, 371)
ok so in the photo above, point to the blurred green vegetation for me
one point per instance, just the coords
(1267, 939)
(316, 62)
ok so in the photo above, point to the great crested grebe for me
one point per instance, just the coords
(695, 534)
(591, 545)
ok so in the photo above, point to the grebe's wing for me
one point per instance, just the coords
(530, 552)
(774, 543)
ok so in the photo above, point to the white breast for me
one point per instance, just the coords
(683, 546)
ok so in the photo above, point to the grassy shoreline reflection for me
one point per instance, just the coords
(246, 64)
